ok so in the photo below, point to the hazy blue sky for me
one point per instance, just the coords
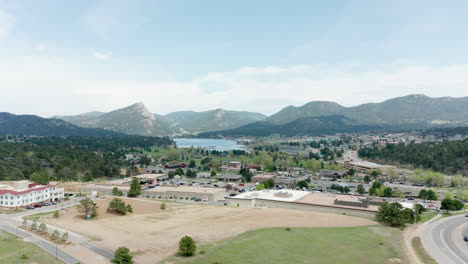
(68, 57)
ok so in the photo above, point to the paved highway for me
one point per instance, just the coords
(443, 239)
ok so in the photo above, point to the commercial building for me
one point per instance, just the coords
(263, 177)
(364, 166)
(24, 193)
(163, 192)
(187, 193)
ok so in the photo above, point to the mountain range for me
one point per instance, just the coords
(138, 120)
(38, 126)
(313, 118)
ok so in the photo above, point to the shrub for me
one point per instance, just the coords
(187, 246)
(55, 235)
(117, 206)
(202, 252)
(288, 229)
(24, 256)
(42, 228)
(56, 214)
(65, 237)
(117, 192)
(163, 206)
(34, 225)
(129, 208)
(122, 256)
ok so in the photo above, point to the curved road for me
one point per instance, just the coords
(443, 239)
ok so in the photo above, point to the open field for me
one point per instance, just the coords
(155, 233)
(17, 251)
(331, 245)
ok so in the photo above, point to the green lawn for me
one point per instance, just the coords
(367, 244)
(426, 216)
(17, 251)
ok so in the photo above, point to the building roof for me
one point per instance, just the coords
(194, 189)
(230, 176)
(13, 192)
(264, 176)
(151, 176)
(278, 195)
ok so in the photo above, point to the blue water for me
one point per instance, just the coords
(211, 144)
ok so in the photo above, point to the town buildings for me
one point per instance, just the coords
(24, 193)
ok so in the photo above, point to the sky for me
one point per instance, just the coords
(70, 57)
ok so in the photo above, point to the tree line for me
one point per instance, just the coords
(443, 156)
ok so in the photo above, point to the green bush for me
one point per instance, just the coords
(187, 246)
(117, 206)
(122, 256)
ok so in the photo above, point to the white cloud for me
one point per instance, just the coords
(56, 86)
(102, 56)
(6, 22)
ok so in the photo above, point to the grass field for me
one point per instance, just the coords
(17, 251)
(426, 216)
(37, 217)
(366, 244)
(422, 253)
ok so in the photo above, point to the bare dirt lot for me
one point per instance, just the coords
(154, 234)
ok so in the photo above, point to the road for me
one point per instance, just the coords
(52, 249)
(9, 222)
(443, 240)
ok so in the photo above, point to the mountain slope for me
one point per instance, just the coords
(82, 118)
(310, 126)
(133, 120)
(38, 126)
(212, 120)
(410, 110)
(137, 120)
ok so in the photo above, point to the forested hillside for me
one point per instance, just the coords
(71, 158)
(444, 156)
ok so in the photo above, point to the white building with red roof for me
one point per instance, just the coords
(24, 193)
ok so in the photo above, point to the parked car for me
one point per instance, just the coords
(466, 215)
(37, 206)
(465, 238)
(30, 207)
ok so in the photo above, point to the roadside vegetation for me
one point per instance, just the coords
(375, 244)
(16, 250)
(421, 251)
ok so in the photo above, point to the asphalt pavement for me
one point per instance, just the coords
(9, 222)
(443, 240)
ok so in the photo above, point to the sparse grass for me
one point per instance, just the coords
(15, 250)
(426, 216)
(453, 213)
(38, 216)
(11, 211)
(364, 244)
(422, 253)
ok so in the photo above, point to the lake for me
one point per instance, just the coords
(207, 143)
